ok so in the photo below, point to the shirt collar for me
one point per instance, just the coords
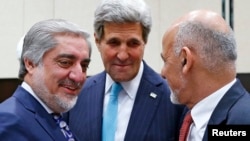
(202, 111)
(27, 87)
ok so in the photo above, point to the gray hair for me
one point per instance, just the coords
(122, 11)
(215, 49)
(41, 38)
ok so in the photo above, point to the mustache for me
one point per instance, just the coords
(70, 83)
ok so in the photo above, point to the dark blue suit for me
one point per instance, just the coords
(151, 119)
(22, 118)
(233, 108)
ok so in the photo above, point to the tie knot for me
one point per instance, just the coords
(59, 121)
(116, 88)
(56, 116)
(188, 118)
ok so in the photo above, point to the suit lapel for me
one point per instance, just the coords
(96, 108)
(49, 125)
(143, 112)
(40, 114)
(220, 113)
(145, 106)
(92, 99)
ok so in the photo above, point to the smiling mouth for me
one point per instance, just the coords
(122, 65)
(71, 87)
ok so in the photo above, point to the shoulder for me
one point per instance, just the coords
(97, 78)
(150, 74)
(9, 115)
(239, 110)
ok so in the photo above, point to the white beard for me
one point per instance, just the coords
(174, 98)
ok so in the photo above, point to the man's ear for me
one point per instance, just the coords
(187, 59)
(184, 61)
(29, 65)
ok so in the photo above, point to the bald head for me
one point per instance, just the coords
(199, 54)
(207, 35)
(208, 18)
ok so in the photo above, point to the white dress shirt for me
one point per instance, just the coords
(202, 111)
(27, 87)
(126, 100)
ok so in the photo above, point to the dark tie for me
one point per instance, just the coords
(64, 127)
(185, 127)
(110, 116)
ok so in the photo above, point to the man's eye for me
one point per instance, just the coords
(64, 63)
(113, 42)
(134, 43)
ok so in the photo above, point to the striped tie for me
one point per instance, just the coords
(185, 127)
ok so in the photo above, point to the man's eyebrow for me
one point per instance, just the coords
(87, 60)
(70, 56)
(66, 56)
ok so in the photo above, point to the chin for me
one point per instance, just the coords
(67, 102)
(174, 98)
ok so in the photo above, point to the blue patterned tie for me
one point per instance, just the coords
(110, 116)
(64, 127)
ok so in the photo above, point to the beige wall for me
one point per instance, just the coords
(17, 16)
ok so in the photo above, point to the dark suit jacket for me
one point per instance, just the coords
(151, 119)
(22, 118)
(233, 109)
